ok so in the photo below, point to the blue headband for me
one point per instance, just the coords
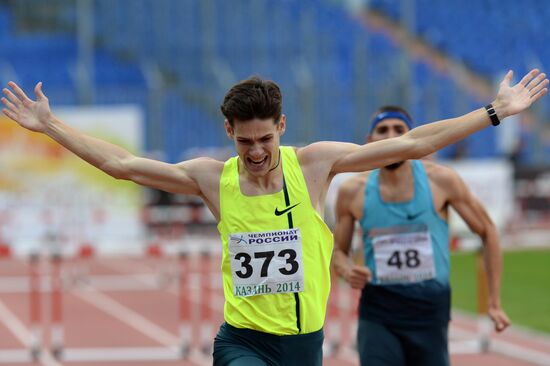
(390, 114)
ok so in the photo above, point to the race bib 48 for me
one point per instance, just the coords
(403, 254)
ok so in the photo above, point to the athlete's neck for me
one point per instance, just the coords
(252, 184)
(397, 175)
(278, 162)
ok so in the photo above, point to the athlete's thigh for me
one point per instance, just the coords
(226, 354)
(426, 346)
(378, 346)
(232, 350)
(303, 350)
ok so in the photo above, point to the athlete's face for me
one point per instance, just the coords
(386, 129)
(257, 143)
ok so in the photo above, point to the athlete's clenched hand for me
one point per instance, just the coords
(358, 276)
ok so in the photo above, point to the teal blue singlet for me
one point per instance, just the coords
(406, 248)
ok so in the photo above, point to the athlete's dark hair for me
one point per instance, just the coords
(389, 111)
(252, 98)
(391, 108)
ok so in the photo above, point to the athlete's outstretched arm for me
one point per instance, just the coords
(477, 219)
(357, 276)
(117, 162)
(426, 139)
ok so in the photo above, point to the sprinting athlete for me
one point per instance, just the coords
(402, 208)
(276, 281)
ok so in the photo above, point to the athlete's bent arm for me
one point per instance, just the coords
(36, 116)
(357, 276)
(477, 219)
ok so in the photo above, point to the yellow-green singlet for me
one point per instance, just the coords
(275, 219)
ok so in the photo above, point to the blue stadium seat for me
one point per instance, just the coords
(309, 47)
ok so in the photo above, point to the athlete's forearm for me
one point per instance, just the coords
(101, 154)
(433, 136)
(341, 262)
(492, 259)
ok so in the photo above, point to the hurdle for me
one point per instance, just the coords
(32, 340)
(480, 343)
(193, 340)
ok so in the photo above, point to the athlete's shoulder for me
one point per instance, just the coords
(206, 162)
(444, 176)
(353, 185)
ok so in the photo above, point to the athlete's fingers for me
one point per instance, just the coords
(504, 322)
(12, 97)
(500, 320)
(19, 92)
(507, 78)
(38, 92)
(500, 325)
(540, 94)
(8, 104)
(10, 114)
(538, 87)
(357, 282)
(361, 274)
(358, 285)
(366, 273)
(535, 81)
(525, 80)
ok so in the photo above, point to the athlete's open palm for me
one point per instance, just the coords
(30, 114)
(519, 97)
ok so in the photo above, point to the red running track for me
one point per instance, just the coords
(134, 306)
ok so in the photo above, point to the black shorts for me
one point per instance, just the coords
(247, 347)
(382, 345)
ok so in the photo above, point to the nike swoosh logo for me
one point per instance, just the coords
(279, 213)
(414, 216)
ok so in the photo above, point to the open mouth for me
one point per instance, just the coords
(257, 163)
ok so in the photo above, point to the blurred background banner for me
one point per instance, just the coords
(492, 182)
(51, 197)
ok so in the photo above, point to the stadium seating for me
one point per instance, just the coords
(333, 70)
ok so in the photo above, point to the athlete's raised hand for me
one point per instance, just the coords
(499, 318)
(511, 100)
(358, 276)
(30, 114)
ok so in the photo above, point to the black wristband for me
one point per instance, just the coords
(492, 114)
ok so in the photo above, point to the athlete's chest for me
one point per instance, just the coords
(249, 187)
(417, 193)
(400, 192)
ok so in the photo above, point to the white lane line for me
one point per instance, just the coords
(120, 354)
(15, 326)
(23, 334)
(216, 298)
(506, 348)
(13, 356)
(136, 321)
(46, 359)
(519, 352)
(127, 315)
